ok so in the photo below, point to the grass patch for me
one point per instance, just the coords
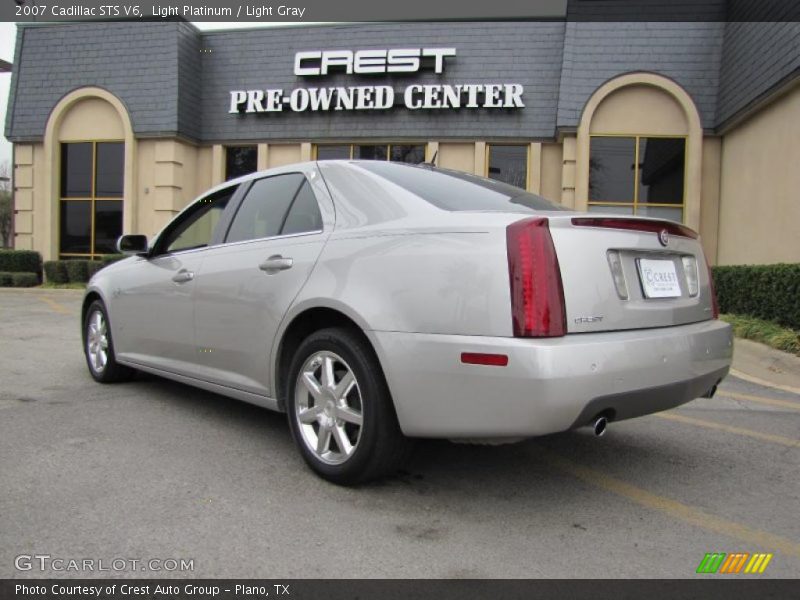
(62, 286)
(765, 332)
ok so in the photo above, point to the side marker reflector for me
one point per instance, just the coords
(492, 360)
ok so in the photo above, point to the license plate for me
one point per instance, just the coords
(659, 278)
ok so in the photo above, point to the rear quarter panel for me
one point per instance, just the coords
(422, 281)
(403, 264)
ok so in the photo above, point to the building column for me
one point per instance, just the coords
(217, 164)
(263, 157)
(535, 168)
(431, 150)
(710, 197)
(480, 159)
(22, 180)
(168, 180)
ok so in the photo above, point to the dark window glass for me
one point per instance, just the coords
(76, 226)
(76, 170)
(611, 169)
(304, 214)
(329, 152)
(196, 227)
(370, 152)
(661, 166)
(264, 208)
(453, 190)
(110, 169)
(407, 154)
(509, 164)
(107, 225)
(240, 160)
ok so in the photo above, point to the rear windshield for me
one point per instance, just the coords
(456, 191)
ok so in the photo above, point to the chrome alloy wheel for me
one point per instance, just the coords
(97, 341)
(328, 407)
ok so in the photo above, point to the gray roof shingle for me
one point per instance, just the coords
(175, 80)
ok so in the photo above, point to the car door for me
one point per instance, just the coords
(246, 287)
(154, 308)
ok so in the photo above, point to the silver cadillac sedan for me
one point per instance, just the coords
(376, 302)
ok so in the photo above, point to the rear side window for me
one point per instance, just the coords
(304, 214)
(456, 191)
(276, 205)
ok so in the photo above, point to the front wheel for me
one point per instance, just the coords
(340, 410)
(99, 347)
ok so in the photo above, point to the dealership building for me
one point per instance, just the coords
(117, 126)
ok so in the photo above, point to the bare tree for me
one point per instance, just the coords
(6, 205)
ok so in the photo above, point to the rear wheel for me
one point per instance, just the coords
(340, 410)
(99, 347)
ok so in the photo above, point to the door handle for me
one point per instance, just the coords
(183, 276)
(276, 263)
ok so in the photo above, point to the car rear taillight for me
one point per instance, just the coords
(713, 291)
(537, 294)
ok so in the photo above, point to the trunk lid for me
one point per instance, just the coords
(598, 255)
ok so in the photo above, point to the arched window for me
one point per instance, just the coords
(639, 150)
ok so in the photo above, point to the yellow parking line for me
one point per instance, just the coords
(760, 400)
(675, 509)
(59, 308)
(767, 437)
(764, 382)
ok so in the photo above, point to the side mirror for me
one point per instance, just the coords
(132, 244)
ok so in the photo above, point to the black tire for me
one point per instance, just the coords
(111, 371)
(380, 448)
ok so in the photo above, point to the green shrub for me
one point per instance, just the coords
(6, 279)
(77, 271)
(764, 332)
(24, 279)
(112, 258)
(93, 267)
(770, 292)
(20, 261)
(55, 271)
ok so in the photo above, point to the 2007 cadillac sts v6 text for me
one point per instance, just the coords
(376, 302)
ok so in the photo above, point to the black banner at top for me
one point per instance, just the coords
(310, 11)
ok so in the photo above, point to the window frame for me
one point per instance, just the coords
(526, 145)
(234, 146)
(241, 195)
(91, 198)
(635, 177)
(353, 145)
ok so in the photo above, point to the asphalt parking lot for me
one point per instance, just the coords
(156, 469)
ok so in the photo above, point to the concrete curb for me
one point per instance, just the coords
(763, 365)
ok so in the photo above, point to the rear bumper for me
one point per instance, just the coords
(549, 385)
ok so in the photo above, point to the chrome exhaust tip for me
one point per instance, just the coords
(599, 426)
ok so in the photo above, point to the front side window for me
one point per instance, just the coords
(278, 205)
(195, 227)
(508, 163)
(637, 175)
(240, 160)
(91, 190)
